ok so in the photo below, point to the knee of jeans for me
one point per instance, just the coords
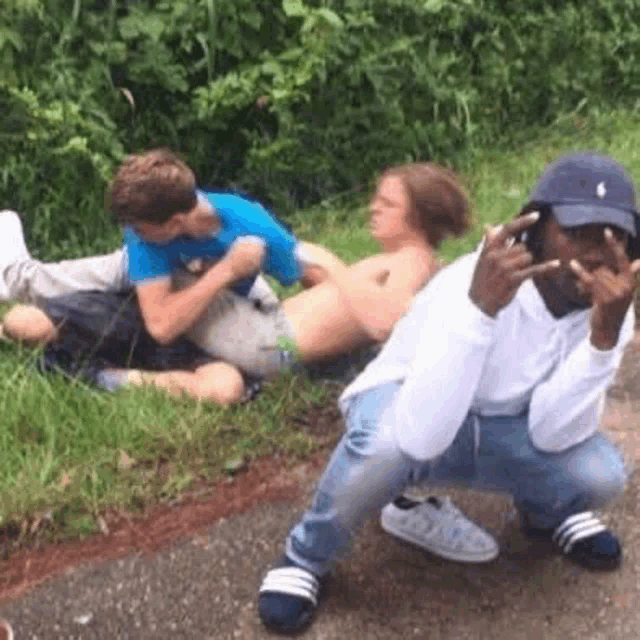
(602, 473)
(366, 438)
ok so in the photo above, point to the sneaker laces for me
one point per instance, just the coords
(426, 523)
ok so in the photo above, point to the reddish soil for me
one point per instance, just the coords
(6, 633)
(266, 481)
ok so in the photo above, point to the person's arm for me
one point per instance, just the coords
(318, 263)
(566, 408)
(377, 291)
(312, 276)
(168, 314)
(359, 293)
(452, 338)
(452, 344)
(455, 327)
(377, 303)
(243, 217)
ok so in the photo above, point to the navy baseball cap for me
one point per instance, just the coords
(588, 188)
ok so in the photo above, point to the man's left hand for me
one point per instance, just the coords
(611, 293)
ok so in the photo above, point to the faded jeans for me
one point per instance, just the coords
(367, 470)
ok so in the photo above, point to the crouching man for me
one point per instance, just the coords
(494, 380)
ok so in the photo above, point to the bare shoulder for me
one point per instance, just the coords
(372, 263)
(403, 260)
(412, 264)
(409, 266)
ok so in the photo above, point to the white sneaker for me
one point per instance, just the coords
(12, 248)
(439, 527)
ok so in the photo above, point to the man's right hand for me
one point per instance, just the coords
(245, 257)
(168, 313)
(503, 265)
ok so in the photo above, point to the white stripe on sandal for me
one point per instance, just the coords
(292, 581)
(577, 527)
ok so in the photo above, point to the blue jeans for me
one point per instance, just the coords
(367, 470)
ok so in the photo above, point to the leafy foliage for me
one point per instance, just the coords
(292, 100)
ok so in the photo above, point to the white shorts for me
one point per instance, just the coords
(258, 339)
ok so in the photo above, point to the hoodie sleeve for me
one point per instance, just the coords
(566, 408)
(452, 337)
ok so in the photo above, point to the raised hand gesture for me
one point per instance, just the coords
(503, 265)
(610, 292)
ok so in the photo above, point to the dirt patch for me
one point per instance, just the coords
(29, 552)
(324, 424)
(622, 416)
(626, 388)
(267, 480)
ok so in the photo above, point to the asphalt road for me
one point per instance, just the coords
(205, 587)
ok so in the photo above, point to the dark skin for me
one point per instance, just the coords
(504, 265)
(577, 268)
(564, 292)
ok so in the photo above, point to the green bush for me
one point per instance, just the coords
(289, 100)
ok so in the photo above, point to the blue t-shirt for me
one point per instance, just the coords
(238, 217)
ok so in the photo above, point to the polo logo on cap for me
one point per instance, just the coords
(601, 191)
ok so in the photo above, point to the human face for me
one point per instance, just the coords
(199, 221)
(390, 207)
(561, 288)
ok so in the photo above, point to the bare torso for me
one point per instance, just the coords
(324, 326)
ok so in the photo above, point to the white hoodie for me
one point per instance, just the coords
(454, 359)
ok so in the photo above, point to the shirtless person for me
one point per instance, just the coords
(414, 208)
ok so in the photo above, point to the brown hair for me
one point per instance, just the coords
(439, 205)
(151, 187)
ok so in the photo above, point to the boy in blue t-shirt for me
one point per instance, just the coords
(170, 225)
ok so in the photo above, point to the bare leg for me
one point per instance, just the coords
(217, 382)
(29, 325)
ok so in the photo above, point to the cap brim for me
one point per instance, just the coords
(574, 215)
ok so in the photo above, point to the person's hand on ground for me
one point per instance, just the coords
(245, 256)
(610, 293)
(504, 264)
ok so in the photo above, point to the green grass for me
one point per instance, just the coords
(498, 181)
(74, 452)
(70, 450)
